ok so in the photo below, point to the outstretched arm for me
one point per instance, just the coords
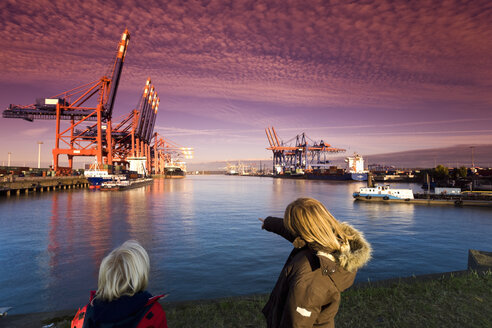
(276, 225)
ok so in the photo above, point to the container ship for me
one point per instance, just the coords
(307, 159)
(237, 169)
(355, 167)
(354, 171)
(175, 170)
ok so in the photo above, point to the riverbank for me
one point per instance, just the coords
(456, 299)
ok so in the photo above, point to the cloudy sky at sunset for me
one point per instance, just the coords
(368, 76)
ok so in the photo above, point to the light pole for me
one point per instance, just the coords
(472, 158)
(39, 154)
(8, 161)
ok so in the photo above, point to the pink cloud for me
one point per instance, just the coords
(265, 62)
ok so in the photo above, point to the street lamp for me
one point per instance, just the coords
(39, 154)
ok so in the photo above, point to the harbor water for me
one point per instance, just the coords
(205, 240)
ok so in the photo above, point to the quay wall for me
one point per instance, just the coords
(26, 185)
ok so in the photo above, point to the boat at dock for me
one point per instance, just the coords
(355, 168)
(175, 170)
(323, 171)
(97, 175)
(383, 192)
(237, 169)
(101, 177)
(354, 171)
(119, 185)
(391, 196)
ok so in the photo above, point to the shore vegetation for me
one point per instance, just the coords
(449, 301)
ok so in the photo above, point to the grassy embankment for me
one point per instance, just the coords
(455, 301)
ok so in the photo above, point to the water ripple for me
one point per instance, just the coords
(204, 238)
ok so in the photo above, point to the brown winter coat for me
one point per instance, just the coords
(307, 292)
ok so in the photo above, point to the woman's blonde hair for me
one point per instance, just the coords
(308, 219)
(125, 271)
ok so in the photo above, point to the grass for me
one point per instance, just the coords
(244, 312)
(452, 301)
(456, 301)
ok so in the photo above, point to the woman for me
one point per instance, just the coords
(121, 299)
(323, 263)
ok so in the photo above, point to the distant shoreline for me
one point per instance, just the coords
(455, 156)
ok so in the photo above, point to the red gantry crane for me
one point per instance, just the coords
(301, 157)
(147, 108)
(75, 106)
(166, 152)
(133, 135)
(93, 103)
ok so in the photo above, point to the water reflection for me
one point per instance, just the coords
(100, 223)
(138, 214)
(53, 245)
(204, 239)
(61, 237)
(383, 214)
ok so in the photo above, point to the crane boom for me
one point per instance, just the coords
(115, 79)
(150, 118)
(155, 116)
(71, 101)
(268, 137)
(142, 107)
(276, 137)
(147, 115)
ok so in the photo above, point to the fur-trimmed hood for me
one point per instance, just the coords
(359, 252)
(352, 256)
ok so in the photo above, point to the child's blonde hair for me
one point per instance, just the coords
(125, 271)
(308, 219)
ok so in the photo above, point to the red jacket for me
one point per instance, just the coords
(138, 311)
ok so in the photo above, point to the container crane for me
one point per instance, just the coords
(130, 136)
(166, 152)
(147, 108)
(74, 106)
(124, 137)
(301, 157)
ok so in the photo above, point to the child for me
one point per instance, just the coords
(121, 299)
(323, 263)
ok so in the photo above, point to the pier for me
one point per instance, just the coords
(458, 202)
(26, 185)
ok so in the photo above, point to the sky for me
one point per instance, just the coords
(368, 76)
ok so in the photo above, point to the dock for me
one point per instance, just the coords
(25, 185)
(421, 201)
